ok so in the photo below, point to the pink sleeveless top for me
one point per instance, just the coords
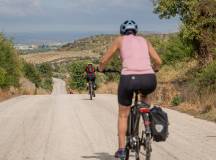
(135, 56)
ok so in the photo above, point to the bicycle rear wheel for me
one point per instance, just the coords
(139, 154)
(148, 148)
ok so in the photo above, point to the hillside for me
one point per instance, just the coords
(95, 44)
(86, 48)
(99, 43)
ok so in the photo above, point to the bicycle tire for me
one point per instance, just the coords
(148, 147)
(128, 133)
(127, 152)
(140, 155)
(93, 93)
(90, 90)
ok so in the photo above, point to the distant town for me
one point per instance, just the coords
(31, 48)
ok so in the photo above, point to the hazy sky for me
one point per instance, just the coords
(79, 15)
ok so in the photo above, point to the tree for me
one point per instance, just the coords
(198, 23)
(9, 61)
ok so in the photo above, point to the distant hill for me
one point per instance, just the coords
(94, 44)
(99, 43)
(85, 48)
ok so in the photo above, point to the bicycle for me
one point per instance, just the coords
(137, 137)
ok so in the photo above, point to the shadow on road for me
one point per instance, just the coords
(86, 99)
(100, 156)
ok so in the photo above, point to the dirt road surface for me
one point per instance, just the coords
(71, 127)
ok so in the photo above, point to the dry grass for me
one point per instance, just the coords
(109, 88)
(164, 94)
(8, 93)
(176, 72)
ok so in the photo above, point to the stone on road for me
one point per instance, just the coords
(71, 127)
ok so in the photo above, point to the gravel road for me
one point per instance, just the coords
(71, 127)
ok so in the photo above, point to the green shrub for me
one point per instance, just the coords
(115, 64)
(45, 70)
(9, 61)
(177, 100)
(176, 50)
(77, 76)
(171, 48)
(47, 83)
(206, 79)
(40, 75)
(31, 72)
(2, 77)
(46, 73)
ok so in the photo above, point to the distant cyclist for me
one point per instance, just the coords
(136, 74)
(90, 74)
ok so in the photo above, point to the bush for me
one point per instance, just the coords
(206, 79)
(47, 83)
(40, 75)
(31, 72)
(171, 48)
(177, 100)
(77, 76)
(115, 63)
(9, 62)
(176, 51)
(46, 73)
(45, 70)
(2, 77)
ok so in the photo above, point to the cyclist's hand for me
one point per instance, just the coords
(156, 68)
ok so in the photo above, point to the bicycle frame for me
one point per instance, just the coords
(134, 142)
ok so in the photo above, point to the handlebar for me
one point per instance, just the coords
(109, 70)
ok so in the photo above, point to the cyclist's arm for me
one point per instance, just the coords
(109, 54)
(154, 55)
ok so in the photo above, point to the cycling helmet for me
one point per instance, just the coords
(128, 25)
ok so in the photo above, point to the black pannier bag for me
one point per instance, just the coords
(159, 124)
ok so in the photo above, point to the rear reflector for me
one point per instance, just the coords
(144, 110)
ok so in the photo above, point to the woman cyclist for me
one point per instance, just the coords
(136, 74)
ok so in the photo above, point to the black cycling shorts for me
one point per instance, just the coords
(90, 77)
(145, 84)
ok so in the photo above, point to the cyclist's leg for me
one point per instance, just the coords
(94, 83)
(122, 124)
(125, 100)
(87, 81)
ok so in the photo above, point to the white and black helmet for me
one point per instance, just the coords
(128, 25)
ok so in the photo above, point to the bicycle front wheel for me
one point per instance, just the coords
(90, 90)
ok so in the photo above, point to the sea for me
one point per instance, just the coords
(49, 37)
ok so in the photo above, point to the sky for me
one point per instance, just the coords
(79, 16)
